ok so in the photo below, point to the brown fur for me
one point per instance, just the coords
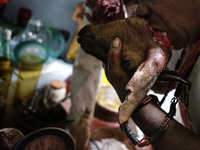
(142, 58)
(134, 33)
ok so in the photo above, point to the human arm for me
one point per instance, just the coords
(150, 117)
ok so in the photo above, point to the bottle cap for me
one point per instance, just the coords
(57, 84)
(7, 34)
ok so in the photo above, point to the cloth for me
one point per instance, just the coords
(190, 96)
(190, 101)
(108, 144)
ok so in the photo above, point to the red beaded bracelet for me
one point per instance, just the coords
(164, 126)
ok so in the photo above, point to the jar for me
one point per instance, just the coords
(58, 90)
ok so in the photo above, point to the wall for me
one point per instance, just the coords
(54, 13)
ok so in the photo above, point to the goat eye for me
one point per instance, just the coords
(126, 63)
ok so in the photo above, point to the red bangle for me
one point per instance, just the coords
(147, 100)
(164, 126)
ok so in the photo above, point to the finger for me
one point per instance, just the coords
(113, 69)
(114, 54)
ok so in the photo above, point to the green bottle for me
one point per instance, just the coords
(5, 45)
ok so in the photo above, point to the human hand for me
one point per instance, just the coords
(137, 86)
(114, 70)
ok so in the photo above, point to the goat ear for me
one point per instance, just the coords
(142, 81)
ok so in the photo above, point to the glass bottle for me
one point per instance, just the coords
(1, 36)
(5, 45)
(2, 101)
(36, 31)
(6, 66)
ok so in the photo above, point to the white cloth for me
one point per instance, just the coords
(108, 144)
(190, 100)
(190, 109)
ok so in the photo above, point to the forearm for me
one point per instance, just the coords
(149, 117)
(177, 137)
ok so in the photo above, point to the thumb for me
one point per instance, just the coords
(114, 54)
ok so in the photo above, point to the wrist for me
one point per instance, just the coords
(151, 120)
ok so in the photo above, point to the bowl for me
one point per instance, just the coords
(47, 138)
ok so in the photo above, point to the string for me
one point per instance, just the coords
(186, 67)
(189, 62)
